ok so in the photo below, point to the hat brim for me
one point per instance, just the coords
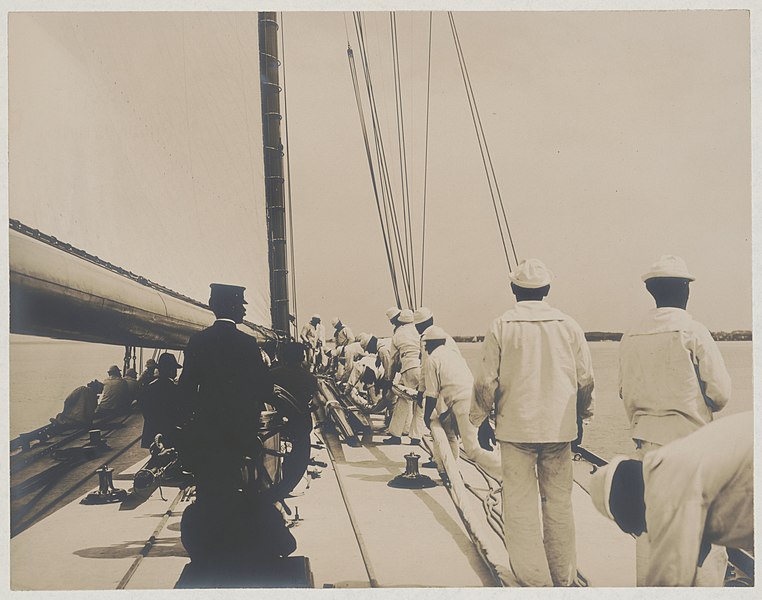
(528, 285)
(663, 275)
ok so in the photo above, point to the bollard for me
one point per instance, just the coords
(106, 493)
(95, 437)
(411, 479)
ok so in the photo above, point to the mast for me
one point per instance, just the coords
(273, 156)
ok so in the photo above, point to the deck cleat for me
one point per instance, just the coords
(411, 479)
(107, 493)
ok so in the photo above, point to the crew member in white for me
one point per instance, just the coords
(312, 336)
(449, 387)
(672, 379)
(537, 372)
(405, 350)
(693, 493)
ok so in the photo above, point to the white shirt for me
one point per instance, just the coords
(448, 378)
(699, 486)
(358, 368)
(671, 376)
(343, 336)
(312, 334)
(352, 352)
(384, 352)
(406, 347)
(536, 368)
(449, 343)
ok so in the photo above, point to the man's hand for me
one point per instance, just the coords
(486, 436)
(429, 410)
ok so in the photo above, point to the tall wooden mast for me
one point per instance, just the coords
(273, 155)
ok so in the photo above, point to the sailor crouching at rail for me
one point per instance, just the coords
(536, 371)
(687, 495)
(405, 348)
(672, 379)
(449, 387)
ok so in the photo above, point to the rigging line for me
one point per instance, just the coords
(353, 71)
(479, 139)
(484, 137)
(408, 222)
(379, 152)
(426, 159)
(383, 163)
(288, 175)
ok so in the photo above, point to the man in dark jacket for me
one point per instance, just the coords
(161, 404)
(115, 399)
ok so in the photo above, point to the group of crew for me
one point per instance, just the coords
(536, 378)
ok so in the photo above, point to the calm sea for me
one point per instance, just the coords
(43, 372)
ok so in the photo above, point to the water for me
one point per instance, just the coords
(44, 371)
(608, 433)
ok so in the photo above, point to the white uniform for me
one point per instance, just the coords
(672, 379)
(352, 352)
(313, 335)
(449, 380)
(405, 350)
(536, 368)
(449, 343)
(699, 487)
(344, 336)
(368, 361)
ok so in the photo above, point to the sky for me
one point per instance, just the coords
(616, 138)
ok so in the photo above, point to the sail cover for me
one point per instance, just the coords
(138, 138)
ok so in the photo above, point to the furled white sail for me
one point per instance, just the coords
(138, 138)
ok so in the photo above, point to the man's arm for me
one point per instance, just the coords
(585, 377)
(714, 378)
(485, 384)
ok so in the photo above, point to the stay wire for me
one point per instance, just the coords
(471, 103)
(401, 142)
(426, 159)
(484, 138)
(384, 233)
(383, 163)
(288, 175)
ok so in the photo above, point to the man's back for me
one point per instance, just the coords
(672, 376)
(535, 359)
(115, 396)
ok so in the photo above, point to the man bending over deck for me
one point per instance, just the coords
(672, 379)
(686, 495)
(79, 407)
(537, 372)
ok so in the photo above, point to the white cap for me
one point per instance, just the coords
(434, 333)
(531, 273)
(669, 266)
(363, 338)
(600, 486)
(335, 321)
(392, 312)
(422, 314)
(315, 317)
(406, 316)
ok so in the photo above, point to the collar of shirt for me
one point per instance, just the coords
(533, 310)
(667, 318)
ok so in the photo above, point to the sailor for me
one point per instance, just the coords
(163, 408)
(352, 351)
(291, 375)
(423, 318)
(342, 334)
(131, 377)
(115, 398)
(672, 379)
(227, 384)
(449, 386)
(406, 355)
(393, 313)
(312, 336)
(79, 406)
(687, 495)
(537, 372)
(381, 347)
(149, 374)
(366, 373)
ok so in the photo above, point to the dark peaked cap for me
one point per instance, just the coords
(227, 293)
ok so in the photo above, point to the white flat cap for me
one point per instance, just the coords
(392, 312)
(600, 486)
(669, 266)
(335, 321)
(434, 333)
(531, 273)
(422, 314)
(315, 317)
(406, 316)
(363, 338)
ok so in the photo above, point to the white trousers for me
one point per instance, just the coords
(457, 424)
(407, 415)
(539, 557)
(710, 574)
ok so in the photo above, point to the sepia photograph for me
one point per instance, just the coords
(372, 296)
